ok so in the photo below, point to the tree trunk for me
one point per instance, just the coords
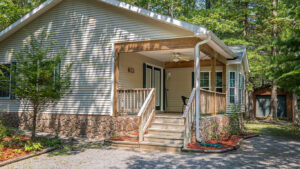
(296, 111)
(247, 115)
(35, 112)
(171, 9)
(149, 6)
(275, 3)
(245, 21)
(274, 103)
(251, 106)
(207, 4)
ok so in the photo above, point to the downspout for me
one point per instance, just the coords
(197, 74)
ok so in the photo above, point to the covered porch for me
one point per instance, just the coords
(168, 68)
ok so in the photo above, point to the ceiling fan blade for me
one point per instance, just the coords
(184, 58)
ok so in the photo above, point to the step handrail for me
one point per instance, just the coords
(146, 114)
(189, 118)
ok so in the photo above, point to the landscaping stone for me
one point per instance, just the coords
(91, 126)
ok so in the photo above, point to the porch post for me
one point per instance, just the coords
(213, 84)
(116, 82)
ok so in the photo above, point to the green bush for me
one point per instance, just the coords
(221, 112)
(236, 125)
(5, 131)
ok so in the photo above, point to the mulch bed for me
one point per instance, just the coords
(226, 142)
(14, 150)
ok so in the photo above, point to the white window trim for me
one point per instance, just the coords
(209, 79)
(9, 96)
(234, 88)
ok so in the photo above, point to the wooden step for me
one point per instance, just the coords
(156, 125)
(161, 147)
(163, 139)
(169, 120)
(166, 132)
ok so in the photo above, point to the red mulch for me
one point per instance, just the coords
(225, 141)
(7, 153)
(124, 138)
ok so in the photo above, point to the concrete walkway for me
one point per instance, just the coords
(259, 152)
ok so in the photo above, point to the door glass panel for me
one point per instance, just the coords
(148, 77)
(157, 85)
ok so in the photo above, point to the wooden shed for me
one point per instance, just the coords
(262, 103)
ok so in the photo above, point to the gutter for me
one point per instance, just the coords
(197, 74)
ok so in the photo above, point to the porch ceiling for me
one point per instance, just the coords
(166, 55)
(159, 48)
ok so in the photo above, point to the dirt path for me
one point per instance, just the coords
(259, 152)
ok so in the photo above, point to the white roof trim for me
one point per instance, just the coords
(198, 30)
(182, 24)
(27, 18)
(240, 61)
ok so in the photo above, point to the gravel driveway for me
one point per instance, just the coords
(259, 152)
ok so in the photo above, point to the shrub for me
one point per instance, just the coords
(221, 112)
(5, 131)
(237, 126)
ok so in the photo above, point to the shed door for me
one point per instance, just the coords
(281, 110)
(263, 105)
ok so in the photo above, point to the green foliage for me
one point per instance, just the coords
(237, 126)
(279, 128)
(31, 146)
(221, 112)
(5, 131)
(37, 73)
(235, 109)
(12, 10)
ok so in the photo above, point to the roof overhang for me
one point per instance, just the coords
(28, 18)
(199, 31)
(242, 59)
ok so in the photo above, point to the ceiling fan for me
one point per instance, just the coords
(177, 57)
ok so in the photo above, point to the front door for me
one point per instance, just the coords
(153, 79)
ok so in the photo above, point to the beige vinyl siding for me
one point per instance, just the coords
(134, 60)
(177, 85)
(180, 84)
(86, 30)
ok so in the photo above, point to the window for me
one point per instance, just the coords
(241, 88)
(232, 87)
(5, 79)
(219, 82)
(204, 80)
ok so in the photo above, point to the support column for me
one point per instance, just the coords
(213, 84)
(116, 83)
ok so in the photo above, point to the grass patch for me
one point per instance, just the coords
(75, 147)
(280, 128)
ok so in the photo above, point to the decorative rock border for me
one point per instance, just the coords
(27, 156)
(237, 146)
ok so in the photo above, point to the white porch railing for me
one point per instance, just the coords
(189, 118)
(146, 114)
(130, 101)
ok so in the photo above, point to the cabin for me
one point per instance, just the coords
(133, 70)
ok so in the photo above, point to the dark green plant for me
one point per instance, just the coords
(236, 125)
(221, 112)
